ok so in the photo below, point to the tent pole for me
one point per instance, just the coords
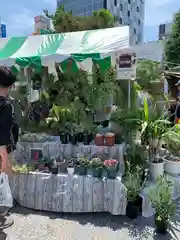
(129, 93)
(28, 80)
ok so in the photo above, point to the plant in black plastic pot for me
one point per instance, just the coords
(97, 167)
(82, 165)
(161, 199)
(111, 167)
(132, 183)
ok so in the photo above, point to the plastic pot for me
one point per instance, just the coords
(111, 173)
(64, 138)
(54, 170)
(80, 170)
(80, 137)
(99, 140)
(74, 139)
(97, 172)
(132, 210)
(118, 139)
(161, 225)
(110, 140)
(87, 138)
(139, 203)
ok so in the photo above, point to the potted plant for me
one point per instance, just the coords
(41, 163)
(81, 167)
(110, 139)
(172, 158)
(99, 140)
(156, 167)
(161, 199)
(111, 168)
(132, 183)
(97, 167)
(64, 137)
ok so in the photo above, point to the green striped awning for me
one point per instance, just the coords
(81, 47)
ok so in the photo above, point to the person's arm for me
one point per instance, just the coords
(6, 119)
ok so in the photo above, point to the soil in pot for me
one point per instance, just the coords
(99, 140)
(97, 172)
(74, 139)
(80, 170)
(112, 173)
(161, 225)
(110, 140)
(64, 138)
(132, 210)
(87, 138)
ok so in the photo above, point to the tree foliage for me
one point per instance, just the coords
(172, 51)
(64, 21)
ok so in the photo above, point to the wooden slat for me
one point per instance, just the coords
(69, 193)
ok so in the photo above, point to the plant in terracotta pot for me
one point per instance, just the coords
(82, 165)
(99, 140)
(111, 168)
(110, 139)
(132, 183)
(161, 199)
(97, 167)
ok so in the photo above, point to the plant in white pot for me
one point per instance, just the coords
(172, 158)
(153, 129)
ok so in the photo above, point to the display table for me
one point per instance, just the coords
(69, 193)
(147, 210)
(56, 150)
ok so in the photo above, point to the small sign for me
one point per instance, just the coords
(36, 154)
(125, 65)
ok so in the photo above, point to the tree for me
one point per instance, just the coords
(64, 21)
(172, 51)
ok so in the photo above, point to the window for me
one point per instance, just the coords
(115, 2)
(128, 13)
(139, 22)
(121, 7)
(162, 29)
(137, 9)
(129, 1)
(120, 20)
(134, 30)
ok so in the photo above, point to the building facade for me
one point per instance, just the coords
(128, 12)
(165, 30)
(3, 31)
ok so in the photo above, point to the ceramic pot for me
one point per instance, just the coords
(99, 140)
(97, 172)
(156, 170)
(172, 167)
(80, 170)
(110, 140)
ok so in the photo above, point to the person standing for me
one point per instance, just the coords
(8, 133)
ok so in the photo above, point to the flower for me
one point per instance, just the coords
(112, 163)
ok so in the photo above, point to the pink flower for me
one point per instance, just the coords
(112, 163)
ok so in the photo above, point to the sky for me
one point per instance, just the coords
(19, 15)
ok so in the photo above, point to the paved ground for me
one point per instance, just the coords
(33, 225)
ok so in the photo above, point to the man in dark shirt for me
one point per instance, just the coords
(7, 129)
